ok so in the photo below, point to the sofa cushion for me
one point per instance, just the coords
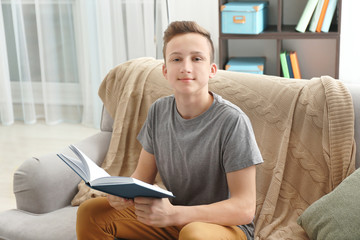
(21, 225)
(336, 215)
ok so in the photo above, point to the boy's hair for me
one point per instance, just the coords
(183, 27)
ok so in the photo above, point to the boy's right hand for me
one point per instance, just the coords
(119, 203)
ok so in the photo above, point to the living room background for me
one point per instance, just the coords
(42, 79)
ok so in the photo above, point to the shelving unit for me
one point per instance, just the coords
(318, 52)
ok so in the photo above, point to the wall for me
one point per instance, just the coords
(350, 42)
(205, 13)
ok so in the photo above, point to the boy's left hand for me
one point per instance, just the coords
(154, 212)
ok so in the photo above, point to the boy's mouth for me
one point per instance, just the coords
(186, 79)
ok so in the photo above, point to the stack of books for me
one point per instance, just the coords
(290, 64)
(318, 15)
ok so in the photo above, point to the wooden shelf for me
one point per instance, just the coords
(285, 34)
(281, 32)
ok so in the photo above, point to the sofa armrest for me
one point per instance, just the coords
(46, 184)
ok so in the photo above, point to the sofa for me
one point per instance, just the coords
(45, 187)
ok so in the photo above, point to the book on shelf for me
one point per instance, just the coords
(306, 15)
(322, 16)
(284, 65)
(97, 178)
(316, 16)
(329, 15)
(289, 65)
(295, 64)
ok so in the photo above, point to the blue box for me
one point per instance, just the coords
(244, 17)
(246, 64)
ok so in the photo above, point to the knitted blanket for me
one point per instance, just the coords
(304, 129)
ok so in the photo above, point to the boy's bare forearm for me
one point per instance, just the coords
(229, 212)
(146, 169)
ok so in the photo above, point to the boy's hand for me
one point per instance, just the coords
(154, 212)
(119, 203)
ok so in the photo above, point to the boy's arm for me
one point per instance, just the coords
(239, 209)
(145, 171)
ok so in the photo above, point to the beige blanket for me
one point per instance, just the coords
(304, 129)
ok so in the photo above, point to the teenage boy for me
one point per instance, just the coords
(204, 149)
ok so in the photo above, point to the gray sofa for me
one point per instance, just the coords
(45, 186)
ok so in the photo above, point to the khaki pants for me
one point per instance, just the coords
(96, 219)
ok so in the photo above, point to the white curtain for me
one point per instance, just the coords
(55, 53)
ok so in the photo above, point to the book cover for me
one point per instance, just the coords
(97, 178)
(284, 65)
(306, 15)
(329, 15)
(295, 64)
(288, 61)
(315, 18)
(322, 16)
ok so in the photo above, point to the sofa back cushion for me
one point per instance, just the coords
(107, 122)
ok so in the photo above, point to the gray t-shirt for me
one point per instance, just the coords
(194, 155)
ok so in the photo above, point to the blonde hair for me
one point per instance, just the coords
(183, 27)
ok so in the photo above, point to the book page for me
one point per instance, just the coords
(111, 180)
(75, 165)
(94, 171)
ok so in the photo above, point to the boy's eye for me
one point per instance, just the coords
(197, 58)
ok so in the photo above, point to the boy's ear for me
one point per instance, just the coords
(213, 70)
(164, 70)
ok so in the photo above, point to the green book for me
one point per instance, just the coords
(284, 65)
(306, 15)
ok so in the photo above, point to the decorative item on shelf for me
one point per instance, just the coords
(322, 16)
(329, 15)
(244, 17)
(295, 64)
(280, 33)
(318, 14)
(306, 15)
(290, 64)
(284, 65)
(246, 64)
(318, 17)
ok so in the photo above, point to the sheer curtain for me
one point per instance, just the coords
(55, 53)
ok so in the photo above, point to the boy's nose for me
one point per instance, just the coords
(186, 66)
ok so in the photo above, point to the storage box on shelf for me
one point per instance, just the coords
(246, 64)
(244, 17)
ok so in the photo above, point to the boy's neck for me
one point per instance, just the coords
(192, 106)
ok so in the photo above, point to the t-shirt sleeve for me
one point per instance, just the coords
(240, 147)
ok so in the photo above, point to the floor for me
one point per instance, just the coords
(19, 142)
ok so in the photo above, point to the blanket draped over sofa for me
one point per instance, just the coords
(304, 129)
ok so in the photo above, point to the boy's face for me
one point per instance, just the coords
(188, 67)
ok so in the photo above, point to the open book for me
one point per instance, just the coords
(97, 178)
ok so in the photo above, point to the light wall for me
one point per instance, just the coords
(205, 12)
(350, 42)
